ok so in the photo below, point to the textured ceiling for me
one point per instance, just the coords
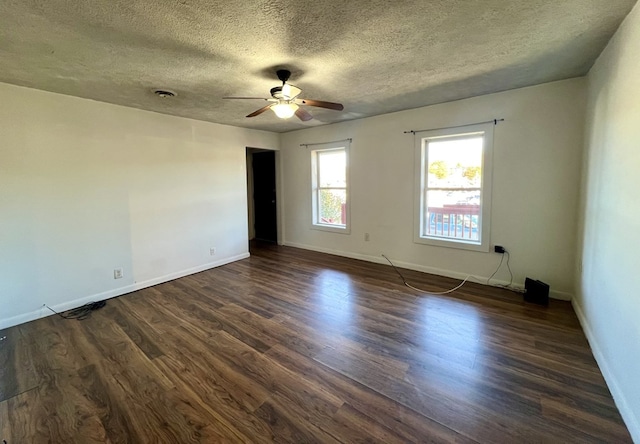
(373, 56)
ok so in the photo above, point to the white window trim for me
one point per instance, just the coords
(342, 145)
(420, 162)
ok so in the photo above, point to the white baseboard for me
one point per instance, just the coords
(43, 312)
(630, 419)
(560, 295)
(431, 270)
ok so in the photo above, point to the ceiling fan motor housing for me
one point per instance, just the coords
(283, 75)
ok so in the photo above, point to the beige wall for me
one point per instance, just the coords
(537, 156)
(87, 187)
(608, 296)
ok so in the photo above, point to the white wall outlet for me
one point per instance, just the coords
(118, 273)
(212, 251)
(366, 237)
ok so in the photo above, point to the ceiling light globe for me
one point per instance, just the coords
(284, 110)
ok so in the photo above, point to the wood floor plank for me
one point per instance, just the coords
(236, 414)
(356, 427)
(276, 378)
(200, 313)
(108, 408)
(586, 421)
(128, 365)
(288, 425)
(219, 377)
(59, 406)
(17, 421)
(184, 419)
(407, 423)
(9, 385)
(137, 335)
(298, 346)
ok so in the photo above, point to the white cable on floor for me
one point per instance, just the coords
(425, 291)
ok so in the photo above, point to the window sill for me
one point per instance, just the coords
(457, 244)
(331, 228)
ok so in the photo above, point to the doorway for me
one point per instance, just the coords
(262, 199)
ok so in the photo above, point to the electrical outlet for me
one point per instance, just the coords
(366, 237)
(212, 251)
(118, 273)
(499, 249)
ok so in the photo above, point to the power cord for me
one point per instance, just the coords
(509, 268)
(404, 281)
(499, 265)
(509, 286)
(80, 313)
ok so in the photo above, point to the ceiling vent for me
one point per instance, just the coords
(164, 93)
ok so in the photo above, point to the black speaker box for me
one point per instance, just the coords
(536, 292)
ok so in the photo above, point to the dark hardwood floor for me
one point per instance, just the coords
(296, 346)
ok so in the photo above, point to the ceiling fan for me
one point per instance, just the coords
(286, 102)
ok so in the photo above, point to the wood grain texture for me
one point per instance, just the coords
(297, 346)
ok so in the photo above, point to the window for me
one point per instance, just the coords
(453, 187)
(330, 197)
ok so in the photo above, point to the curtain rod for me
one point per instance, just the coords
(494, 121)
(325, 143)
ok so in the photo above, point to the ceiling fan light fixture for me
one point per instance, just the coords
(284, 110)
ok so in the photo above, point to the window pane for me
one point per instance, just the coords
(453, 193)
(455, 163)
(333, 169)
(452, 214)
(332, 207)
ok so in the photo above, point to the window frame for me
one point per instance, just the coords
(315, 175)
(421, 188)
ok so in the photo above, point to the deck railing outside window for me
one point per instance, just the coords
(453, 221)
